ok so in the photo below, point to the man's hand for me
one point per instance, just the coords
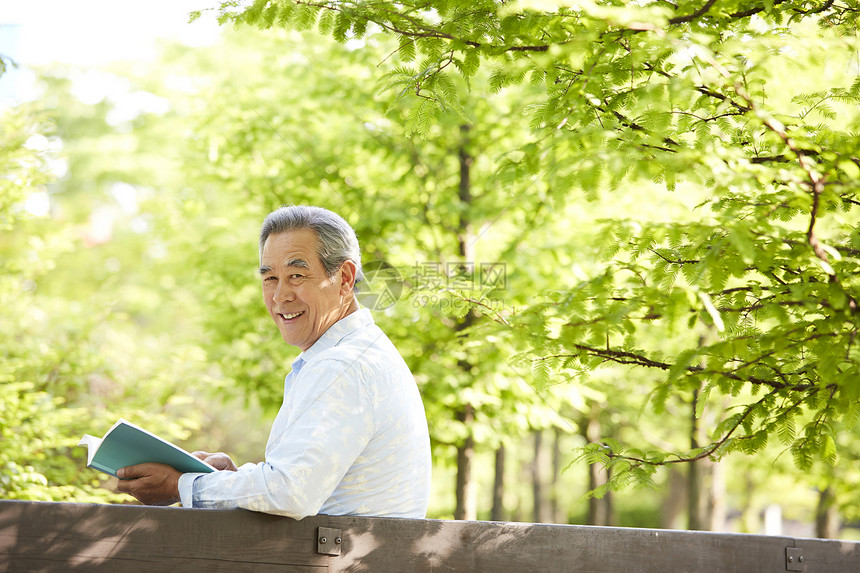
(219, 460)
(151, 484)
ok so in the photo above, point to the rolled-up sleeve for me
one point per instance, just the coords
(186, 491)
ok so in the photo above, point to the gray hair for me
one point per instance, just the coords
(336, 240)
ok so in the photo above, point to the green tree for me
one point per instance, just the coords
(92, 328)
(30, 421)
(752, 300)
(290, 132)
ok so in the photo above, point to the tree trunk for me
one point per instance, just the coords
(671, 515)
(557, 512)
(599, 509)
(827, 515)
(695, 489)
(716, 510)
(717, 498)
(539, 464)
(466, 490)
(694, 494)
(465, 238)
(498, 511)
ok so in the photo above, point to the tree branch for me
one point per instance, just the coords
(752, 11)
(815, 181)
(676, 261)
(690, 17)
(706, 451)
(630, 358)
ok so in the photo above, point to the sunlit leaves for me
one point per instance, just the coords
(748, 298)
(84, 339)
(752, 309)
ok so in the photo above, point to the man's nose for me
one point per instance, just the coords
(284, 292)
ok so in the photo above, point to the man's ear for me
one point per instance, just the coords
(347, 277)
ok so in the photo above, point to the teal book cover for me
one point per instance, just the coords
(126, 444)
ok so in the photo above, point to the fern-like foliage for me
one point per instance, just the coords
(751, 304)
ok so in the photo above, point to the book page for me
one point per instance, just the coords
(92, 444)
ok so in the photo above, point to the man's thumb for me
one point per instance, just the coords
(127, 472)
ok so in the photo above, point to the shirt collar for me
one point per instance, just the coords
(337, 332)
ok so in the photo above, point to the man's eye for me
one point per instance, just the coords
(296, 277)
(269, 278)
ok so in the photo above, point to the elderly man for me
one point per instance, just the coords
(351, 436)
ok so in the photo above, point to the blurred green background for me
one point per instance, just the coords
(133, 183)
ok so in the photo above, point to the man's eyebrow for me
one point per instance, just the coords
(301, 263)
(298, 263)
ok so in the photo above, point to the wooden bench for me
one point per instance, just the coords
(40, 536)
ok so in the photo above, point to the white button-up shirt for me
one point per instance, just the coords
(350, 438)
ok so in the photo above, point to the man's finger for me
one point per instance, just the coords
(220, 461)
(128, 472)
(150, 483)
(135, 471)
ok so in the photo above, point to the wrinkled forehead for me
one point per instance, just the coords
(297, 248)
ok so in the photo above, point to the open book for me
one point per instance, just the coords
(126, 445)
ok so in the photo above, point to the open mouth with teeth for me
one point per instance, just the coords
(290, 316)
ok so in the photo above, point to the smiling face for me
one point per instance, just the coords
(302, 300)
